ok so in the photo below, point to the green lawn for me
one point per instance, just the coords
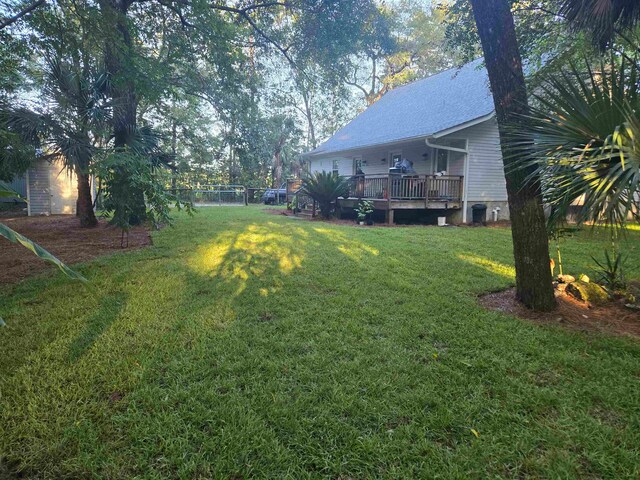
(250, 345)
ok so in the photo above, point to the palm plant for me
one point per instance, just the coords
(586, 141)
(601, 19)
(325, 188)
(68, 125)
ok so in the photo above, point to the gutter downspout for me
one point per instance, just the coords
(466, 170)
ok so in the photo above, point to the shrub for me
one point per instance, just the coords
(610, 273)
(325, 188)
(364, 210)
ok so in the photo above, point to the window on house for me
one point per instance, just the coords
(442, 161)
(395, 157)
(357, 165)
(336, 170)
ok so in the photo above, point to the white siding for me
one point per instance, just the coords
(485, 181)
(376, 159)
(39, 194)
(486, 173)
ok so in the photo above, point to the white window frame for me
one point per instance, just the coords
(335, 166)
(435, 160)
(392, 154)
(355, 161)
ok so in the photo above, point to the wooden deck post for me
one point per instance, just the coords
(390, 216)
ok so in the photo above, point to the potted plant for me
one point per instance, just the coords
(364, 210)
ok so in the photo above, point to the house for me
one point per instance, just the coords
(441, 133)
(49, 189)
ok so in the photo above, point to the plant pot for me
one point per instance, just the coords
(361, 223)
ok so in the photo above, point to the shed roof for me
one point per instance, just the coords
(421, 108)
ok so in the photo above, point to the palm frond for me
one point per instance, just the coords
(325, 188)
(601, 18)
(586, 146)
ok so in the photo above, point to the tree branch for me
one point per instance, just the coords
(178, 12)
(5, 22)
(249, 8)
(244, 13)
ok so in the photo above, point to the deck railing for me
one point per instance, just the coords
(431, 188)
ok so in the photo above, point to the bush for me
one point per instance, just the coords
(325, 188)
(364, 210)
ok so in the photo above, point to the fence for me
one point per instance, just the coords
(213, 195)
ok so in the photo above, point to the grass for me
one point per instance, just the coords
(248, 345)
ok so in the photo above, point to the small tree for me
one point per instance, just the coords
(67, 128)
(325, 188)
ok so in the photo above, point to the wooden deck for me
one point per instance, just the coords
(392, 192)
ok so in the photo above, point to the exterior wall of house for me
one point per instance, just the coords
(377, 160)
(486, 181)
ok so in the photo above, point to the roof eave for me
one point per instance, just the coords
(462, 126)
(371, 145)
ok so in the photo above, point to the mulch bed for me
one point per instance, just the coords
(61, 235)
(613, 318)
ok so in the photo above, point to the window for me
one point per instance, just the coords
(336, 170)
(357, 165)
(442, 161)
(395, 157)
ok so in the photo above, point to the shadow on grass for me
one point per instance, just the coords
(273, 344)
(107, 312)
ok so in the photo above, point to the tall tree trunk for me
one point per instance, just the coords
(118, 51)
(84, 210)
(311, 134)
(528, 226)
(277, 160)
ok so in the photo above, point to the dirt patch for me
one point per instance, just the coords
(62, 236)
(613, 318)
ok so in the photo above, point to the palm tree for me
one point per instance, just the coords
(325, 188)
(68, 125)
(601, 19)
(586, 130)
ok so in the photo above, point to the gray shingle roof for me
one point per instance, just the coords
(421, 108)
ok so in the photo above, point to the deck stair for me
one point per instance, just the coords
(305, 204)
